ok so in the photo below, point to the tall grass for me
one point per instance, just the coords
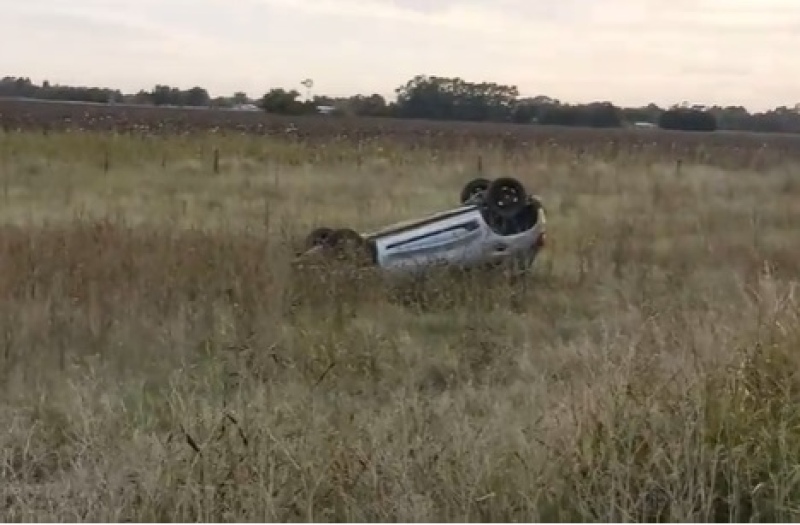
(162, 361)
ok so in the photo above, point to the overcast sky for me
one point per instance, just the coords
(626, 51)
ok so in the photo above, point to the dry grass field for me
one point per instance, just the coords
(723, 149)
(161, 362)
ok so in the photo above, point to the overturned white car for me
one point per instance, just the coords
(497, 223)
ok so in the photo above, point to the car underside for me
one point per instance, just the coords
(497, 221)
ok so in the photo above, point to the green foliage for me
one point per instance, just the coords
(455, 99)
(24, 87)
(687, 119)
(284, 102)
(596, 115)
(163, 95)
(368, 106)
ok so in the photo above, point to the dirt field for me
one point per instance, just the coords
(722, 149)
(160, 361)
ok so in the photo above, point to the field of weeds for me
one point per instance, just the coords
(161, 362)
(723, 149)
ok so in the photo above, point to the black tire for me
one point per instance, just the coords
(506, 197)
(318, 237)
(473, 188)
(349, 244)
(346, 236)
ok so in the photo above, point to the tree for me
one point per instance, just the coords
(425, 97)
(196, 96)
(594, 115)
(283, 102)
(455, 99)
(687, 119)
(649, 113)
(433, 97)
(142, 97)
(163, 95)
(368, 106)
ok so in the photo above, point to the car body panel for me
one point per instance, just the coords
(400, 227)
(460, 237)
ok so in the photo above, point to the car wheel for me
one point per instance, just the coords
(318, 237)
(345, 236)
(350, 244)
(473, 188)
(506, 197)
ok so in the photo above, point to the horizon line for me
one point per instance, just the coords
(389, 98)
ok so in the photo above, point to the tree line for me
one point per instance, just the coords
(437, 98)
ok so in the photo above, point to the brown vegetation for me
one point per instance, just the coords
(723, 149)
(160, 361)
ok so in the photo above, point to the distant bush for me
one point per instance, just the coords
(685, 119)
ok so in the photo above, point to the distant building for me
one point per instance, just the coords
(326, 110)
(246, 107)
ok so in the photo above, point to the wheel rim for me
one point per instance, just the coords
(508, 197)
